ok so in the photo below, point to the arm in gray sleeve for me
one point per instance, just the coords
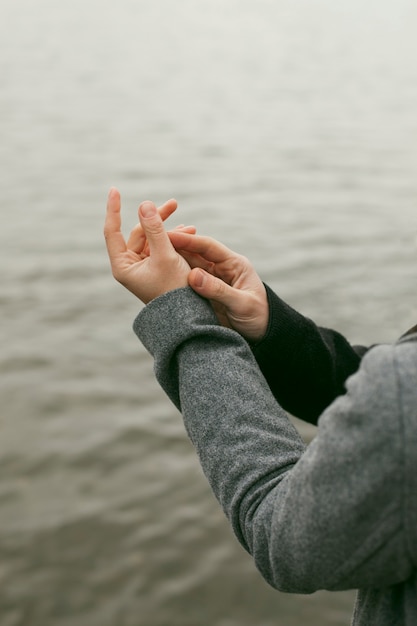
(325, 517)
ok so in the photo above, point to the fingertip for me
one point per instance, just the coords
(147, 209)
(113, 192)
(113, 200)
(197, 278)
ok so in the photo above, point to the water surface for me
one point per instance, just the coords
(286, 129)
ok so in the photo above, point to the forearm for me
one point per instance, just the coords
(306, 366)
(308, 517)
(244, 440)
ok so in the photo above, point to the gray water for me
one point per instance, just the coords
(286, 128)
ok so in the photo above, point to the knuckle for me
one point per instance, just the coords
(153, 225)
(218, 287)
(241, 260)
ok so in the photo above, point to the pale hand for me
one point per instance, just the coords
(229, 281)
(147, 265)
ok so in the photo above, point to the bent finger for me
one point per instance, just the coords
(213, 288)
(207, 247)
(191, 229)
(197, 261)
(168, 208)
(144, 250)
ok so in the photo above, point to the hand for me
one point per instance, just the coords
(228, 280)
(148, 264)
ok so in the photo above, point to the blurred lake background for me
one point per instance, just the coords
(285, 128)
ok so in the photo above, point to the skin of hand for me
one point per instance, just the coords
(228, 280)
(147, 265)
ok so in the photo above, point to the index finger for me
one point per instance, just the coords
(207, 247)
(114, 239)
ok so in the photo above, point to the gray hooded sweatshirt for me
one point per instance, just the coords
(338, 514)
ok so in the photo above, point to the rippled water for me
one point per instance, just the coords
(285, 128)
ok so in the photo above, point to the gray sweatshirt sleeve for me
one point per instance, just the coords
(329, 516)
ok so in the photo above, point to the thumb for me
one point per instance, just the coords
(153, 227)
(213, 288)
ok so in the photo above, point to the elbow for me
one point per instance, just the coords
(291, 551)
(294, 571)
(280, 547)
(291, 562)
(288, 575)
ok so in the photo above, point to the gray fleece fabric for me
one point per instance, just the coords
(338, 514)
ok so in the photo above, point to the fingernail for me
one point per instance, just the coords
(147, 209)
(198, 278)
